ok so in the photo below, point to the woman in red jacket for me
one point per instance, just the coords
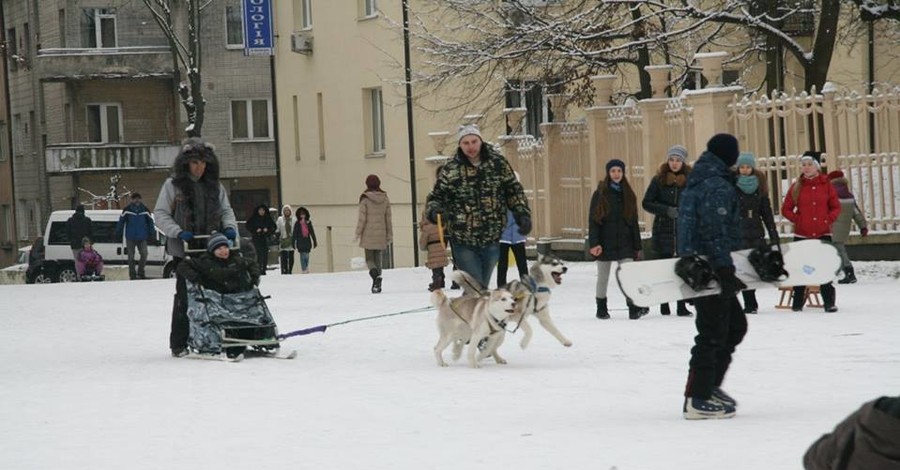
(812, 205)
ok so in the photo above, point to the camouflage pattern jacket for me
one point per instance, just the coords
(474, 199)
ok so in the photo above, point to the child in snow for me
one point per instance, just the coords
(430, 241)
(220, 269)
(88, 262)
(840, 229)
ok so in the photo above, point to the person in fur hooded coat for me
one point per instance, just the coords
(661, 200)
(191, 202)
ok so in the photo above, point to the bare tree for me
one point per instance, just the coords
(874, 10)
(185, 54)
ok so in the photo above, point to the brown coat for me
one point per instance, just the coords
(373, 227)
(868, 439)
(430, 241)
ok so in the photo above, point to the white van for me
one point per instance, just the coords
(59, 266)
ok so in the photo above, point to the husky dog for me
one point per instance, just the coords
(532, 295)
(469, 319)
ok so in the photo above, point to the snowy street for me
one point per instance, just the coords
(87, 382)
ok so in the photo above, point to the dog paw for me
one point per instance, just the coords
(500, 361)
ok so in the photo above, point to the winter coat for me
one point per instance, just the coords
(709, 213)
(619, 238)
(474, 199)
(261, 227)
(285, 228)
(664, 192)
(307, 243)
(840, 229)
(90, 258)
(77, 227)
(814, 209)
(374, 229)
(430, 241)
(868, 439)
(511, 235)
(227, 276)
(756, 215)
(136, 222)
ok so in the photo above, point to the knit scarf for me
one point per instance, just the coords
(748, 183)
(615, 186)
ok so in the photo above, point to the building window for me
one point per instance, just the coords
(8, 225)
(251, 120)
(98, 27)
(62, 27)
(234, 27)
(368, 8)
(302, 14)
(104, 122)
(373, 109)
(22, 224)
(17, 132)
(296, 110)
(320, 120)
(13, 49)
(530, 95)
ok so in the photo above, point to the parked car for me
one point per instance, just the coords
(58, 265)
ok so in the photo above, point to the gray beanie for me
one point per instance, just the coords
(677, 151)
(468, 129)
(216, 240)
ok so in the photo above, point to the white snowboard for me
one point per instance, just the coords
(654, 282)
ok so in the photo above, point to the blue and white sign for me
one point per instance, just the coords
(258, 37)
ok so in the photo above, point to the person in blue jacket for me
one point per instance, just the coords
(137, 224)
(709, 224)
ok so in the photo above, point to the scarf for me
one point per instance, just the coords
(304, 229)
(617, 187)
(748, 183)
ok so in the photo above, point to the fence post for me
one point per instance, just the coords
(832, 136)
(598, 131)
(551, 170)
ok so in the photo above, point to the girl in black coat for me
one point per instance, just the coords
(661, 200)
(613, 231)
(261, 227)
(304, 238)
(756, 212)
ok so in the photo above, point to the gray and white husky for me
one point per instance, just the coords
(532, 295)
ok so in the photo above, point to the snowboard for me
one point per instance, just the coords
(654, 282)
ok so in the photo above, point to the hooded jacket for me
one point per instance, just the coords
(261, 227)
(840, 229)
(285, 226)
(814, 209)
(373, 224)
(868, 439)
(77, 227)
(136, 222)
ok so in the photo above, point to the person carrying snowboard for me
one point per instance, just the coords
(613, 231)
(661, 200)
(709, 225)
(756, 213)
(812, 205)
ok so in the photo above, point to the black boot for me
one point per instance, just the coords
(664, 309)
(750, 305)
(634, 312)
(682, 310)
(376, 280)
(437, 282)
(828, 297)
(602, 310)
(849, 276)
(798, 298)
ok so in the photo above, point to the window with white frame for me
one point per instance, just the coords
(251, 120)
(368, 8)
(98, 27)
(373, 109)
(104, 122)
(303, 14)
(234, 27)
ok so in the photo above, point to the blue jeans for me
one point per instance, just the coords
(478, 261)
(304, 261)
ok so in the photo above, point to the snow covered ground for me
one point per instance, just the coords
(87, 383)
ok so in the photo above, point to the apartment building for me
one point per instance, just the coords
(93, 102)
(8, 242)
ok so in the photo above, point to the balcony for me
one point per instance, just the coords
(61, 64)
(72, 157)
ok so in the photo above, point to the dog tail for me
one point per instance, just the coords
(470, 286)
(438, 298)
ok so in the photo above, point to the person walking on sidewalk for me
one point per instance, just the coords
(613, 232)
(261, 228)
(812, 205)
(709, 225)
(756, 213)
(374, 229)
(840, 229)
(285, 226)
(661, 200)
(304, 238)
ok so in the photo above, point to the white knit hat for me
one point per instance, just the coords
(468, 129)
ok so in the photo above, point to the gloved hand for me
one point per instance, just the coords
(186, 235)
(432, 215)
(230, 233)
(728, 282)
(524, 223)
(864, 231)
(672, 212)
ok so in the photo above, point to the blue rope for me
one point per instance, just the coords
(322, 328)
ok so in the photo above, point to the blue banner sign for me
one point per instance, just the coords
(258, 37)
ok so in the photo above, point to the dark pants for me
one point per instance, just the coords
(721, 325)
(139, 246)
(287, 261)
(262, 254)
(828, 293)
(178, 335)
(518, 251)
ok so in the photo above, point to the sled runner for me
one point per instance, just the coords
(232, 324)
(648, 283)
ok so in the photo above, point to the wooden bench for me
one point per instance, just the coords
(811, 297)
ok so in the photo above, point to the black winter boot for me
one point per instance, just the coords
(437, 282)
(602, 310)
(798, 298)
(828, 297)
(682, 310)
(664, 309)
(375, 274)
(849, 276)
(634, 312)
(750, 305)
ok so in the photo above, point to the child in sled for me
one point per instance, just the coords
(88, 263)
(221, 269)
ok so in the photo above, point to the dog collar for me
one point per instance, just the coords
(533, 287)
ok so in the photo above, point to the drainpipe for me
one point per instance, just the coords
(9, 137)
(409, 131)
(275, 129)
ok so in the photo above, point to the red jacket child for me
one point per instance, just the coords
(813, 208)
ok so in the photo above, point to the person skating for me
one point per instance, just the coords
(613, 232)
(661, 200)
(756, 215)
(709, 225)
(840, 229)
(812, 205)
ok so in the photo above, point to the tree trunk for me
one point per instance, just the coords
(816, 71)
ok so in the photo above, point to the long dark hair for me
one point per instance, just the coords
(630, 200)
